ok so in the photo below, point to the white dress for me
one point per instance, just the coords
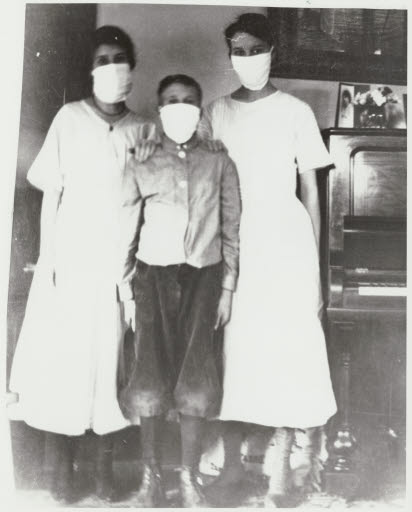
(65, 367)
(276, 367)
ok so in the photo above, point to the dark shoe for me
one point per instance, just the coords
(190, 490)
(151, 493)
(230, 489)
(229, 477)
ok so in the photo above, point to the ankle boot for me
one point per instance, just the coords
(278, 484)
(104, 481)
(151, 492)
(191, 491)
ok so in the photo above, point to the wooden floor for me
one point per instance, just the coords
(379, 465)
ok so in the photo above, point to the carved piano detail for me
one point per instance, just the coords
(366, 290)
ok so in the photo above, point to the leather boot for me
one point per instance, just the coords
(151, 492)
(190, 490)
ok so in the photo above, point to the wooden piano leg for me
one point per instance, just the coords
(339, 476)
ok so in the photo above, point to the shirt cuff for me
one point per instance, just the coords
(125, 291)
(229, 282)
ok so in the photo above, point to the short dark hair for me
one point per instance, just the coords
(186, 80)
(252, 23)
(346, 94)
(109, 34)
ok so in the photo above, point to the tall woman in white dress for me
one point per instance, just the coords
(65, 366)
(276, 367)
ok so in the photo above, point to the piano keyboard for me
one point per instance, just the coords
(383, 291)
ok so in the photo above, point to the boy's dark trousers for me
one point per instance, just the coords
(177, 366)
(177, 363)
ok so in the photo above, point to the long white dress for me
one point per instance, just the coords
(66, 361)
(276, 368)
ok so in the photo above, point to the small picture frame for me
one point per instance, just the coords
(359, 110)
(345, 111)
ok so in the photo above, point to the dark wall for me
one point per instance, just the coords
(55, 71)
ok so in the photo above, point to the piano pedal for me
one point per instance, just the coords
(341, 484)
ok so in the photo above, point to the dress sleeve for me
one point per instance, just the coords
(45, 172)
(231, 207)
(311, 152)
(130, 217)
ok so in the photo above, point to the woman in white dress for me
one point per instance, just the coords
(276, 367)
(65, 368)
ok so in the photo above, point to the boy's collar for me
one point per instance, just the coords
(179, 149)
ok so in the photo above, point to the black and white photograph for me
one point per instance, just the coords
(346, 111)
(204, 279)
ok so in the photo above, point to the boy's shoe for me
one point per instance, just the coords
(151, 492)
(190, 490)
(229, 477)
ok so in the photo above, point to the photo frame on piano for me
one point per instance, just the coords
(360, 111)
(378, 107)
(345, 112)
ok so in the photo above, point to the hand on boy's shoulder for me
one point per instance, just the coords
(143, 150)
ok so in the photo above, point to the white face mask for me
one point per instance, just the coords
(179, 121)
(253, 72)
(112, 82)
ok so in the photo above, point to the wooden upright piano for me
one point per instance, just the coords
(365, 253)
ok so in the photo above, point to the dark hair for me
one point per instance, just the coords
(252, 23)
(186, 80)
(109, 34)
(346, 94)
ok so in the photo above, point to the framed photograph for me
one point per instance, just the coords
(362, 45)
(345, 111)
(359, 111)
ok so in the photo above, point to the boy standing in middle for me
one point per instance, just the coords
(180, 242)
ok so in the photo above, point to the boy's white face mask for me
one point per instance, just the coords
(112, 82)
(179, 121)
(253, 72)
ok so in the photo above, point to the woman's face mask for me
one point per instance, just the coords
(112, 82)
(179, 121)
(253, 71)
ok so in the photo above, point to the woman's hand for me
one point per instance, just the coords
(224, 308)
(143, 150)
(129, 307)
(215, 145)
